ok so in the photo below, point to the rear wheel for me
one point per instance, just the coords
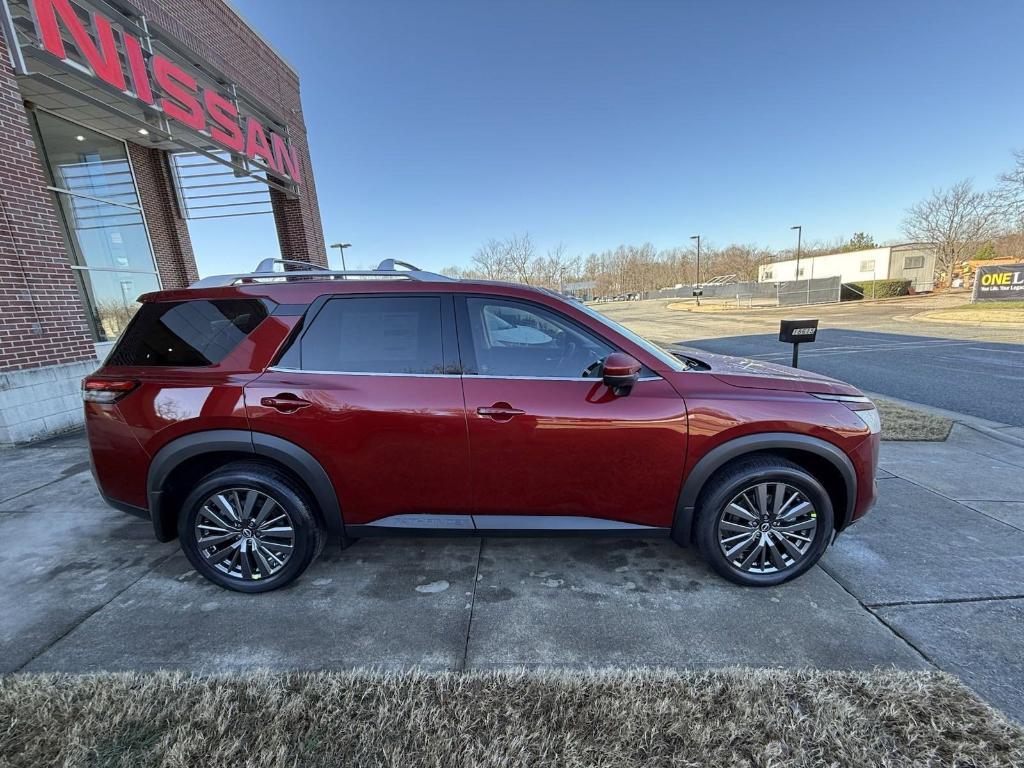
(763, 521)
(249, 527)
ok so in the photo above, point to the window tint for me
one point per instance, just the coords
(376, 335)
(516, 339)
(187, 333)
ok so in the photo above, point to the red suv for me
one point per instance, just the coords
(256, 416)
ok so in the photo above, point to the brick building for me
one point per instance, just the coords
(119, 122)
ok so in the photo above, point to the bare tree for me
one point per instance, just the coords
(1009, 195)
(957, 221)
(520, 257)
(490, 262)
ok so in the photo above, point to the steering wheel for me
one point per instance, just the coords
(567, 353)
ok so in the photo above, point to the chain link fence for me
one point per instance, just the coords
(818, 291)
(821, 290)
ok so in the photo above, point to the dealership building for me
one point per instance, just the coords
(119, 123)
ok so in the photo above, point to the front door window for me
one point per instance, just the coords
(523, 340)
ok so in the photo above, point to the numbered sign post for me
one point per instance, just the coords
(797, 332)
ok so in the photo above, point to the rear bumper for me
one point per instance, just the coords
(130, 509)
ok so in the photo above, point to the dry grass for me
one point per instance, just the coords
(653, 718)
(900, 422)
(722, 305)
(1001, 312)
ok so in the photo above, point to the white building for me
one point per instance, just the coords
(909, 261)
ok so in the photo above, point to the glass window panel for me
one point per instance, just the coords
(378, 335)
(86, 162)
(110, 298)
(515, 339)
(102, 220)
(105, 235)
(187, 333)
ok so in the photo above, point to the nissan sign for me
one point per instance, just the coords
(999, 281)
(106, 51)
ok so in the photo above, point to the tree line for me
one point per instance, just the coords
(628, 268)
(961, 222)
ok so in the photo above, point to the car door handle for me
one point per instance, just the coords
(499, 412)
(285, 402)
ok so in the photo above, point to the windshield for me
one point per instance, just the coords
(666, 357)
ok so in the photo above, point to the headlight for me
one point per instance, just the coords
(872, 419)
(869, 416)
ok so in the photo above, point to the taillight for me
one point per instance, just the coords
(95, 390)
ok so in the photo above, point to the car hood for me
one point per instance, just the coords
(757, 374)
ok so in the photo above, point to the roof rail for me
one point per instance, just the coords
(304, 270)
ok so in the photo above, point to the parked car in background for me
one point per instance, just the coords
(256, 417)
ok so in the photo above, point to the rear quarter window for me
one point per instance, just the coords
(381, 334)
(187, 333)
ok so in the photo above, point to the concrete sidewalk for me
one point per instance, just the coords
(933, 577)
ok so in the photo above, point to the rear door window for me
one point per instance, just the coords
(387, 334)
(187, 333)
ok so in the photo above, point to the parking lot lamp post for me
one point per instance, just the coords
(697, 281)
(341, 249)
(799, 236)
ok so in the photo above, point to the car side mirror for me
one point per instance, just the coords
(620, 372)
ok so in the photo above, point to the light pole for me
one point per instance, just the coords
(696, 288)
(341, 249)
(799, 237)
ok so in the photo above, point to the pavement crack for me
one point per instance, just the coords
(93, 612)
(960, 502)
(472, 606)
(39, 487)
(943, 601)
(881, 620)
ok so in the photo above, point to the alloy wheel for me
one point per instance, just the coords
(767, 528)
(244, 533)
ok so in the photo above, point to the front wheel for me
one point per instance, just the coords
(249, 527)
(763, 521)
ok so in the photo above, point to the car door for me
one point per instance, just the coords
(371, 388)
(548, 438)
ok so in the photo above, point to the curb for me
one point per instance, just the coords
(978, 424)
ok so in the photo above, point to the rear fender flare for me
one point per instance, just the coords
(299, 461)
(715, 459)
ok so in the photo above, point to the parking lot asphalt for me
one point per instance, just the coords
(886, 347)
(979, 378)
(934, 577)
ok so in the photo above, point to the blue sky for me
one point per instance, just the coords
(436, 125)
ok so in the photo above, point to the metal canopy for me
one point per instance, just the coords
(209, 190)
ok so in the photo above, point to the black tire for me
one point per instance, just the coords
(307, 537)
(749, 473)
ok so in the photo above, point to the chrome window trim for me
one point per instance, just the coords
(280, 369)
(550, 378)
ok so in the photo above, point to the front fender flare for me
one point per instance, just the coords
(682, 523)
